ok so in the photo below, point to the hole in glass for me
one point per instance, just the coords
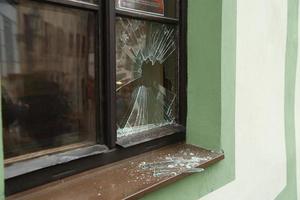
(146, 76)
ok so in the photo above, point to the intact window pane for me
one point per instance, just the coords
(47, 76)
(147, 79)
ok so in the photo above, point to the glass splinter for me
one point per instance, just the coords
(194, 170)
(173, 165)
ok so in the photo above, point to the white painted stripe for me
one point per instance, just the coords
(297, 112)
(260, 137)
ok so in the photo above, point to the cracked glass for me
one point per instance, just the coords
(146, 75)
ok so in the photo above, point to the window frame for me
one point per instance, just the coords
(180, 23)
(105, 62)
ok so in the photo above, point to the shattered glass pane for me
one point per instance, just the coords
(146, 72)
(141, 43)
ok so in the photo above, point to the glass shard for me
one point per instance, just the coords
(173, 165)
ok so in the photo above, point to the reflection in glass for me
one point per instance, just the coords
(146, 75)
(167, 8)
(47, 76)
(171, 8)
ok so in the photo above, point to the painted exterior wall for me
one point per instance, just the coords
(243, 98)
(249, 76)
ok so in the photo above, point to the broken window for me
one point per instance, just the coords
(57, 61)
(146, 76)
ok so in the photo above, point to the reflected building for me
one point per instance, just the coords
(48, 67)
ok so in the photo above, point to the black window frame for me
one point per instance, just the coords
(106, 96)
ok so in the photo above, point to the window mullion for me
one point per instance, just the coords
(110, 73)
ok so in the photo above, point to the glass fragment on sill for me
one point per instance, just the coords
(174, 165)
(146, 87)
(194, 170)
(219, 151)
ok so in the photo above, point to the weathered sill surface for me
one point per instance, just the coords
(121, 180)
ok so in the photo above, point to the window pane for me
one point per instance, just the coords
(167, 8)
(47, 58)
(147, 79)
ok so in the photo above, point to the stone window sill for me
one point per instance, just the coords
(126, 179)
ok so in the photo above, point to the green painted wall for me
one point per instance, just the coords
(206, 118)
(290, 191)
(204, 72)
(211, 98)
(211, 95)
(208, 100)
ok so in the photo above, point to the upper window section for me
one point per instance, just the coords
(47, 61)
(165, 8)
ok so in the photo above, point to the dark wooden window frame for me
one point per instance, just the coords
(106, 97)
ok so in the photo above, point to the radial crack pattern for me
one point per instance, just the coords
(141, 41)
